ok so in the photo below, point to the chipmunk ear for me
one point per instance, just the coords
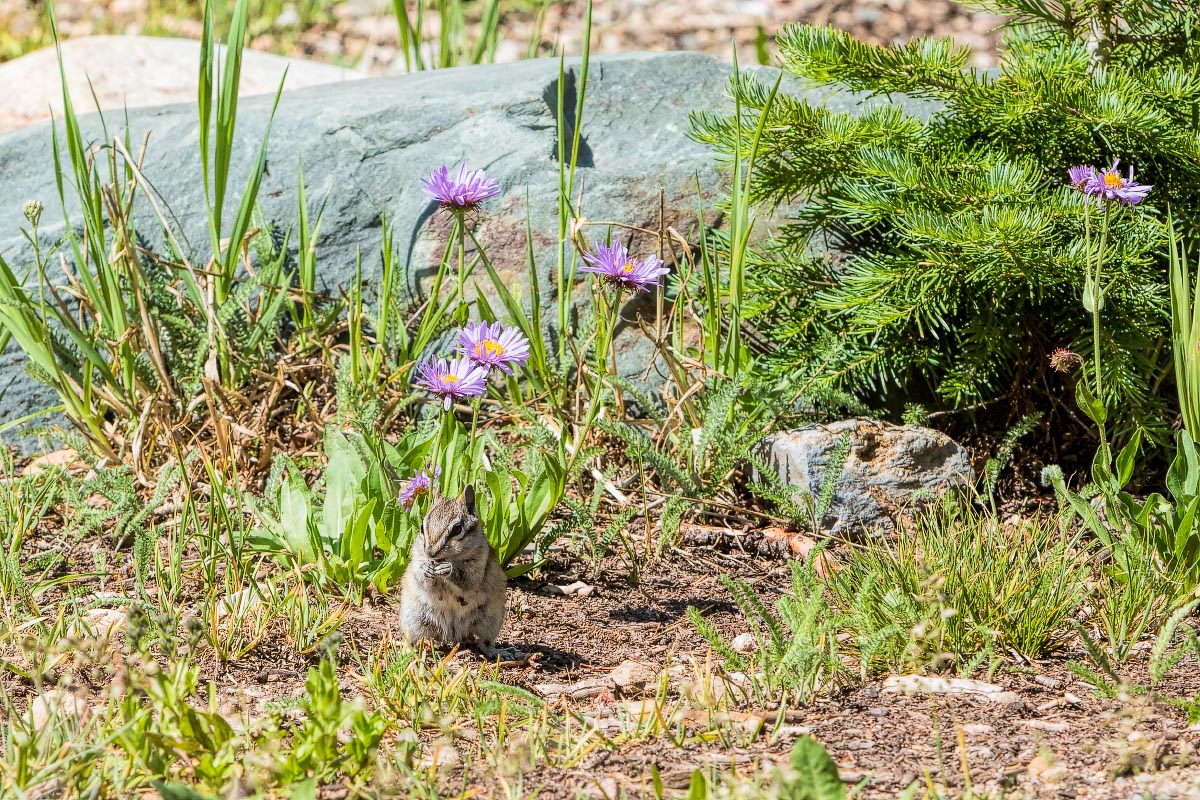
(468, 499)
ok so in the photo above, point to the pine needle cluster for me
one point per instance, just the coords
(943, 257)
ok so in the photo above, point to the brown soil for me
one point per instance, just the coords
(882, 739)
(364, 33)
(1058, 741)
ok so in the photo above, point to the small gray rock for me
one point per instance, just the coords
(887, 466)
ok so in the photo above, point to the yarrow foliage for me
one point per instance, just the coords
(462, 191)
(616, 267)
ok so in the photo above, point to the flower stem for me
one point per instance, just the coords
(471, 440)
(604, 336)
(1097, 305)
(462, 253)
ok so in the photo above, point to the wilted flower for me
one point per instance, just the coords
(452, 379)
(1108, 184)
(493, 345)
(33, 211)
(1081, 176)
(614, 264)
(462, 191)
(420, 483)
(1063, 360)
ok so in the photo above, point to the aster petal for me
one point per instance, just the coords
(462, 191)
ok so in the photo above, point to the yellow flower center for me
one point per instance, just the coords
(447, 379)
(629, 267)
(489, 348)
(1113, 181)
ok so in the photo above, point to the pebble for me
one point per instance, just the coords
(744, 643)
(104, 622)
(443, 754)
(606, 787)
(632, 676)
(1046, 725)
(366, 33)
(57, 703)
(577, 589)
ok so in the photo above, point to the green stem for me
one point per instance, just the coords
(439, 448)
(604, 336)
(1097, 305)
(471, 439)
(462, 254)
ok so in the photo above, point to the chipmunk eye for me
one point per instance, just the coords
(456, 530)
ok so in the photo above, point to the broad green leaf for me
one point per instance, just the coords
(343, 486)
(1185, 529)
(518, 570)
(1125, 459)
(1089, 404)
(816, 772)
(295, 514)
(175, 790)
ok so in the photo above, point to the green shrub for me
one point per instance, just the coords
(957, 586)
(962, 253)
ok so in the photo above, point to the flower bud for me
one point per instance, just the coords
(33, 212)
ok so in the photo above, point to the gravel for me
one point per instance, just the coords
(364, 33)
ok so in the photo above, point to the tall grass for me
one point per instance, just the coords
(1185, 328)
(441, 33)
(126, 337)
(958, 584)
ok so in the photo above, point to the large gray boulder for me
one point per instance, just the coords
(888, 469)
(364, 146)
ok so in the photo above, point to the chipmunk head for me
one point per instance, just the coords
(451, 531)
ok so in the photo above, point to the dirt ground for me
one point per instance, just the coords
(882, 739)
(1057, 740)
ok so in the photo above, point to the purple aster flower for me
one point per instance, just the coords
(451, 379)
(419, 484)
(614, 264)
(1108, 184)
(1081, 176)
(462, 191)
(493, 345)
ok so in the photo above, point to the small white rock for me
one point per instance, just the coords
(745, 643)
(56, 703)
(442, 754)
(937, 685)
(577, 589)
(240, 602)
(633, 675)
(104, 622)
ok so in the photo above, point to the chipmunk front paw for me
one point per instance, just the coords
(435, 569)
